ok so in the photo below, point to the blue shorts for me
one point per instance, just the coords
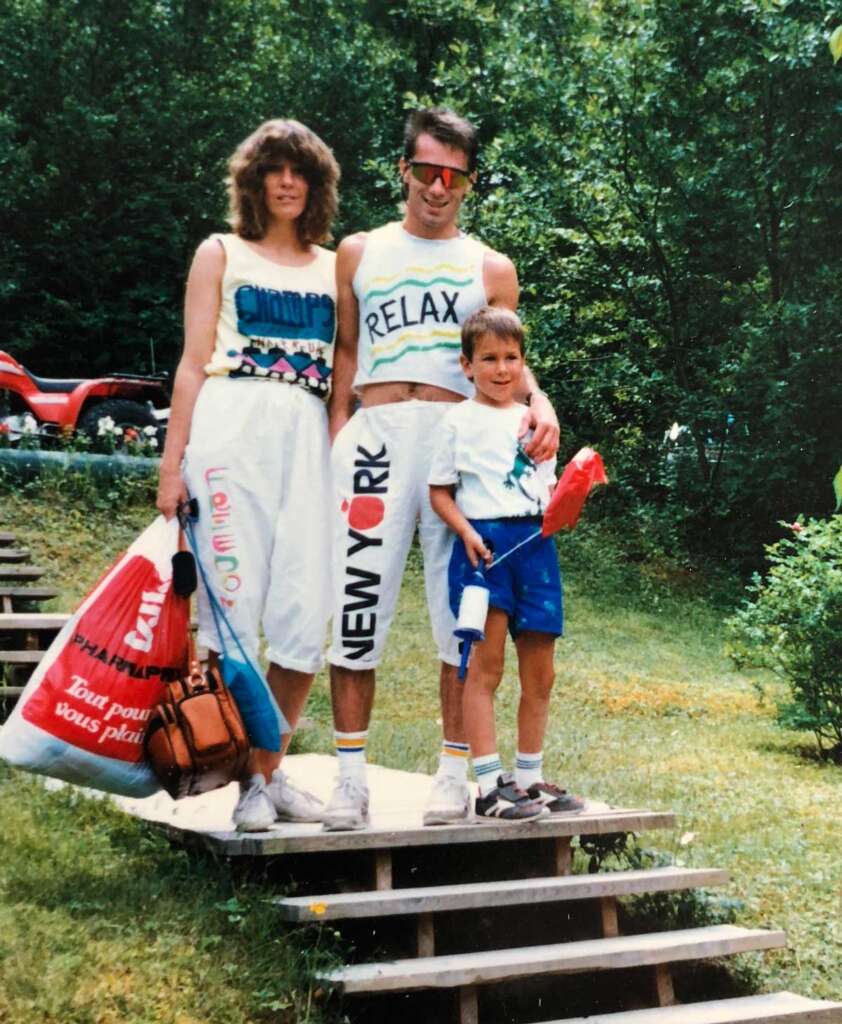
(526, 585)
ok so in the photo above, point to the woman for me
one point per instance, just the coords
(248, 430)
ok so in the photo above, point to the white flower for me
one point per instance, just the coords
(153, 442)
(687, 839)
(104, 425)
(117, 431)
(150, 431)
(28, 425)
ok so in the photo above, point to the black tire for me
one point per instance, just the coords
(123, 411)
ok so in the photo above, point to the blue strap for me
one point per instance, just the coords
(216, 608)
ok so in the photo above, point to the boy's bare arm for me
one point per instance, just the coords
(445, 507)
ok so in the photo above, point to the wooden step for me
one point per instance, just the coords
(14, 554)
(21, 573)
(8, 538)
(21, 657)
(12, 622)
(407, 831)
(764, 1009)
(470, 969)
(28, 593)
(342, 906)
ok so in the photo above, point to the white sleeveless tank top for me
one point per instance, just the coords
(275, 322)
(413, 294)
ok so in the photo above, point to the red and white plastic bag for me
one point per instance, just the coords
(83, 714)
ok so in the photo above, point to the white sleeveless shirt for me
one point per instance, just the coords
(275, 322)
(413, 295)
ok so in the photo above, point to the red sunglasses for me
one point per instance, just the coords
(451, 177)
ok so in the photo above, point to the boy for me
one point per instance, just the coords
(492, 495)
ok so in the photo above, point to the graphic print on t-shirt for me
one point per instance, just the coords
(522, 471)
(420, 297)
(305, 322)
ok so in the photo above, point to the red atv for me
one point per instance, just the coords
(62, 406)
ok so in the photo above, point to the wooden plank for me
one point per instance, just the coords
(27, 621)
(8, 538)
(14, 554)
(664, 992)
(563, 856)
(27, 593)
(769, 1008)
(20, 573)
(476, 895)
(558, 958)
(297, 838)
(426, 935)
(468, 1005)
(21, 657)
(608, 915)
(383, 870)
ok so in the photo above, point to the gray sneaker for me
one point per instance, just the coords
(255, 811)
(292, 803)
(449, 802)
(347, 809)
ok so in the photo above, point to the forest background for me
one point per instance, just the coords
(664, 173)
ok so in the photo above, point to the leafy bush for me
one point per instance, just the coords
(792, 624)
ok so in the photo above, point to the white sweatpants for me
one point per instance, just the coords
(380, 463)
(258, 462)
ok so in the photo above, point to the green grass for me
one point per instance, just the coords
(99, 921)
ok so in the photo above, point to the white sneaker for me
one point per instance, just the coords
(255, 811)
(292, 803)
(347, 809)
(449, 801)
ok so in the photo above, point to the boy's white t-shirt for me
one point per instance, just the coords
(479, 452)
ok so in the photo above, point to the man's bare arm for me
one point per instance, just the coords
(502, 289)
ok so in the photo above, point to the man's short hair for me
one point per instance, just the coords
(446, 127)
(496, 320)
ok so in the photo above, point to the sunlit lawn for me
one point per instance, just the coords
(647, 712)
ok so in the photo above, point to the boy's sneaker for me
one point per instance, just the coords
(255, 811)
(555, 799)
(292, 803)
(347, 809)
(449, 801)
(508, 803)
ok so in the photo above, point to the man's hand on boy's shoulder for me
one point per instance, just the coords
(540, 417)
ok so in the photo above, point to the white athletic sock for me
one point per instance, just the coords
(350, 752)
(453, 761)
(529, 769)
(487, 768)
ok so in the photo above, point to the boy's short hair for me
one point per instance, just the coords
(497, 320)
(445, 126)
(272, 144)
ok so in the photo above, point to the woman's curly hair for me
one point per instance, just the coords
(276, 142)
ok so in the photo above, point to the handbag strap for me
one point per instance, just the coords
(217, 610)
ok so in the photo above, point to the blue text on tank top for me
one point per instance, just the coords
(268, 313)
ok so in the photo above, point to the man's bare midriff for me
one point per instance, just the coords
(405, 391)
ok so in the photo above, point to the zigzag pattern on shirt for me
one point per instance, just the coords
(415, 348)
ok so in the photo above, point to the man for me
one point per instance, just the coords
(403, 291)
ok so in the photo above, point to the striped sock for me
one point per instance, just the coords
(529, 769)
(453, 761)
(486, 769)
(350, 752)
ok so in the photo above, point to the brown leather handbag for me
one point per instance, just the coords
(196, 740)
